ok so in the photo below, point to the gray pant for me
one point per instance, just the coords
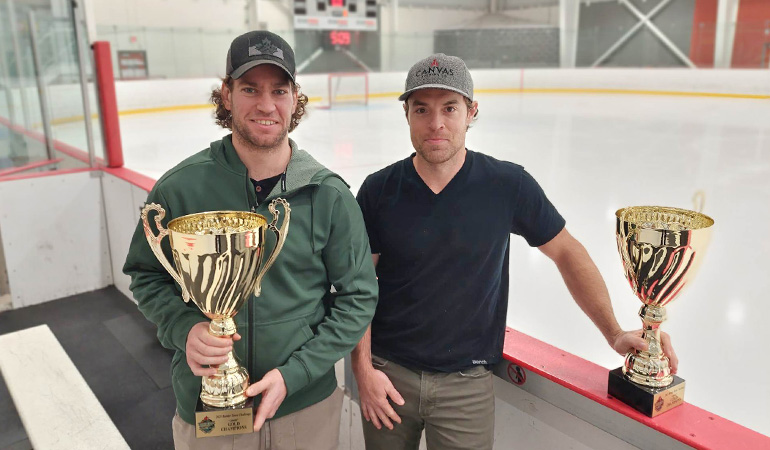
(456, 410)
(316, 427)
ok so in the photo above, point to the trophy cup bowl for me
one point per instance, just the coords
(218, 265)
(662, 249)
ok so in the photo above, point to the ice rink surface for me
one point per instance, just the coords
(592, 154)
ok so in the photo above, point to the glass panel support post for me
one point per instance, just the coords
(19, 64)
(41, 87)
(82, 46)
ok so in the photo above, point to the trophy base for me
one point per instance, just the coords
(648, 401)
(210, 421)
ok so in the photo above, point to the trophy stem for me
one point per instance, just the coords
(222, 327)
(650, 367)
(227, 388)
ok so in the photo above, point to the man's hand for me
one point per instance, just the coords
(273, 390)
(374, 388)
(203, 349)
(626, 341)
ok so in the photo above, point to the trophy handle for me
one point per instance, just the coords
(625, 237)
(280, 238)
(699, 200)
(154, 242)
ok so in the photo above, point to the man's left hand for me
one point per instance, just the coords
(273, 390)
(627, 341)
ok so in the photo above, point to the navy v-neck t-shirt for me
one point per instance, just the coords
(443, 265)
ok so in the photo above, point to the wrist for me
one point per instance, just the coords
(613, 336)
(362, 366)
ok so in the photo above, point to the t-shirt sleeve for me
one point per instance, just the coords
(534, 216)
(368, 205)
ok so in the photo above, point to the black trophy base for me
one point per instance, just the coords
(648, 401)
(210, 422)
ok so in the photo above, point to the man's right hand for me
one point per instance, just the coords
(374, 388)
(203, 349)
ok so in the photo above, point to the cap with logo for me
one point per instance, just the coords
(259, 47)
(439, 71)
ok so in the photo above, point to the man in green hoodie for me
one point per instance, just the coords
(318, 297)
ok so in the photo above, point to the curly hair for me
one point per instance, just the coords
(224, 118)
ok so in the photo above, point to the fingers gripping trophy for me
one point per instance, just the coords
(661, 249)
(218, 265)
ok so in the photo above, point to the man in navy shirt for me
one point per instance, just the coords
(439, 225)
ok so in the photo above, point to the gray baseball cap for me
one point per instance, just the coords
(439, 71)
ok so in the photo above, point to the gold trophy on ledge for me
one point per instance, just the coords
(662, 249)
(218, 259)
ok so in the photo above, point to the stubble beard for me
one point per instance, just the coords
(257, 142)
(435, 156)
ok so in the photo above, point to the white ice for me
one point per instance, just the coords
(592, 154)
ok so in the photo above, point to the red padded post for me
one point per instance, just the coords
(108, 104)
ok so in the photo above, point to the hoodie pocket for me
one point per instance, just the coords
(275, 342)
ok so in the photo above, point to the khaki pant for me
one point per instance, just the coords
(316, 427)
(456, 410)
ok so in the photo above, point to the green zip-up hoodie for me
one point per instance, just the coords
(297, 324)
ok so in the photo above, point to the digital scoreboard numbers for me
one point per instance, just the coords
(339, 38)
(335, 15)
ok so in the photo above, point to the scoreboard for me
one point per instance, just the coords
(335, 15)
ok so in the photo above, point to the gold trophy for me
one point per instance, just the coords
(218, 257)
(662, 250)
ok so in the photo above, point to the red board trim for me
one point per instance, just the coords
(30, 166)
(687, 423)
(135, 178)
(51, 173)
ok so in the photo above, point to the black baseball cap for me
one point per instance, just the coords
(259, 47)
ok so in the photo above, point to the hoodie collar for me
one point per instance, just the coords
(302, 170)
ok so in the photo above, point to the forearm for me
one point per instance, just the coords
(157, 294)
(361, 356)
(589, 291)
(159, 301)
(336, 336)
